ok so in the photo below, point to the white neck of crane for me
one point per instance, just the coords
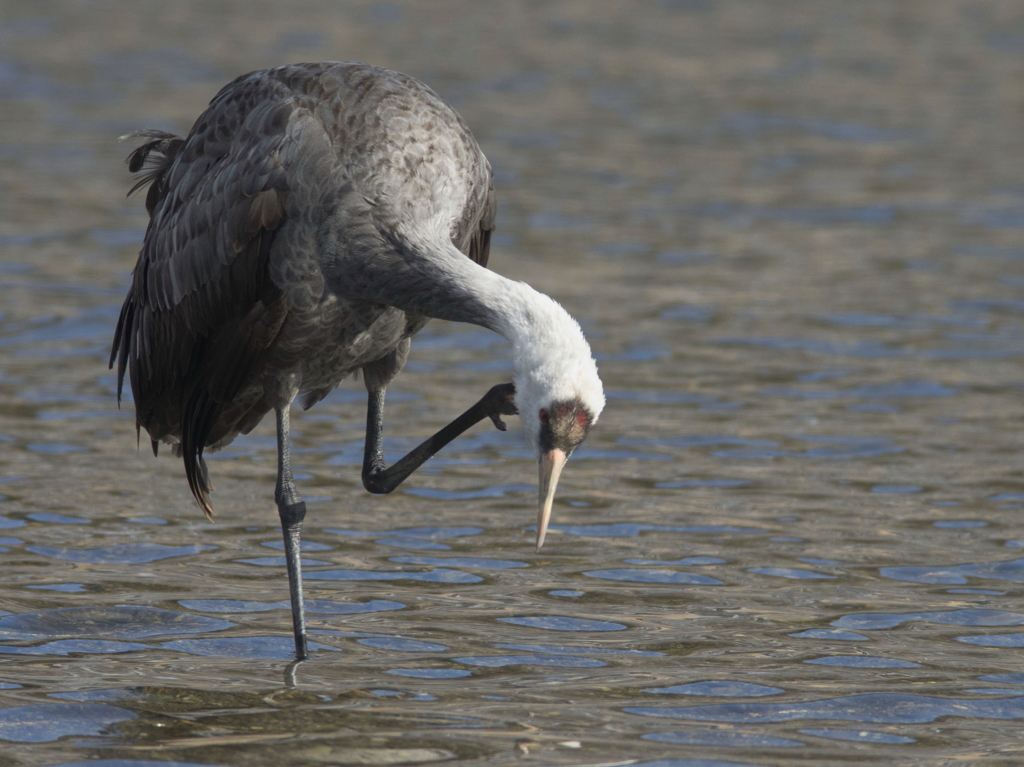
(553, 361)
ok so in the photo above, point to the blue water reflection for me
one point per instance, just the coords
(721, 689)
(412, 543)
(831, 634)
(958, 574)
(859, 736)
(423, 538)
(401, 645)
(312, 606)
(440, 575)
(653, 576)
(721, 738)
(564, 623)
(978, 347)
(874, 621)
(256, 648)
(66, 588)
(788, 572)
(499, 661)
(56, 519)
(862, 661)
(497, 491)
(281, 561)
(559, 649)
(123, 553)
(684, 562)
(994, 640)
(629, 529)
(50, 721)
(68, 646)
(892, 708)
(430, 673)
(428, 533)
(121, 622)
(1004, 678)
(483, 564)
(105, 696)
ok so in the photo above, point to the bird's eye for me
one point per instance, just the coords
(543, 415)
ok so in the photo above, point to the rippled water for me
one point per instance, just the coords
(792, 232)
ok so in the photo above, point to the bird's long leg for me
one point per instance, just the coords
(378, 478)
(292, 510)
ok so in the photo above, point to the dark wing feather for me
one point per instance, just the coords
(480, 243)
(202, 306)
(155, 158)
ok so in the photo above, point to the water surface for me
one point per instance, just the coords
(792, 233)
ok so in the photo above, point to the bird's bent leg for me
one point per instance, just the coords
(292, 510)
(378, 478)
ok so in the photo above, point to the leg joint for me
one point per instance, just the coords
(291, 514)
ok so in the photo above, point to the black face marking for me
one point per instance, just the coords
(564, 426)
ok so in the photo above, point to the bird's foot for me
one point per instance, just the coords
(499, 401)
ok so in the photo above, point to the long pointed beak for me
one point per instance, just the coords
(551, 464)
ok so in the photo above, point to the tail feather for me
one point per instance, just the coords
(200, 414)
(155, 157)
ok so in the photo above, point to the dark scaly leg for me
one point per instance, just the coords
(292, 510)
(378, 478)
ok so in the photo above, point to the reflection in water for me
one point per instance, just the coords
(574, 650)
(50, 721)
(721, 738)
(440, 575)
(68, 646)
(312, 606)
(723, 689)
(654, 576)
(951, 618)
(106, 696)
(1004, 678)
(894, 708)
(681, 562)
(71, 588)
(499, 661)
(401, 645)
(958, 574)
(564, 623)
(994, 640)
(122, 553)
(788, 572)
(862, 661)
(629, 529)
(832, 634)
(280, 562)
(121, 622)
(412, 543)
(269, 648)
(430, 673)
(57, 519)
(426, 533)
(483, 564)
(859, 736)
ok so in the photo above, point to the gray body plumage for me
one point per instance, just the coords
(286, 247)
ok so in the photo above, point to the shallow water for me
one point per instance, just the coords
(793, 234)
